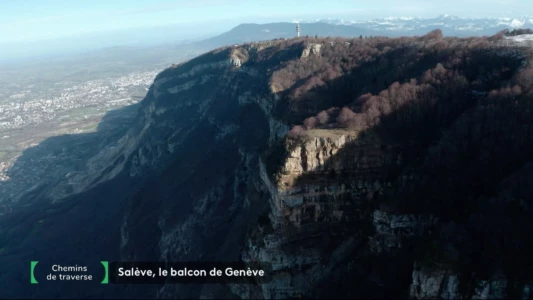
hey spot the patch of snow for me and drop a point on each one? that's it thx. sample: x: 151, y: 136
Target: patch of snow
x: 522, y: 38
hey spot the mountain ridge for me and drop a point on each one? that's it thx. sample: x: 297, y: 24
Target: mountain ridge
x: 342, y: 208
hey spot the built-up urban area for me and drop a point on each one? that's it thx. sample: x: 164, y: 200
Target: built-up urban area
x: 31, y: 112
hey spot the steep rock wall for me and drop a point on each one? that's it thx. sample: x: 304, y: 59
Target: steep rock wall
x: 321, y: 210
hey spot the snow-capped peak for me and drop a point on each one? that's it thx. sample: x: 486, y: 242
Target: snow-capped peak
x: 517, y: 23
x: 398, y: 18
x: 447, y: 17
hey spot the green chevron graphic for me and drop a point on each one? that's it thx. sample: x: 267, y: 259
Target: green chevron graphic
x: 32, y: 276
x: 106, y: 268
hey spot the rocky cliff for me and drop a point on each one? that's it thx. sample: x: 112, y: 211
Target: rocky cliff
x: 207, y: 173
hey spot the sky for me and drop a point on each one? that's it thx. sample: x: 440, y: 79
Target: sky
x: 33, y: 20
x: 23, y: 23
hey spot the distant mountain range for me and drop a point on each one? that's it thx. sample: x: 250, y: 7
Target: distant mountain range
x: 451, y: 25
x: 397, y: 26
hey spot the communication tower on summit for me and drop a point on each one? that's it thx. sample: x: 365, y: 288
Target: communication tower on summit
x: 298, y: 30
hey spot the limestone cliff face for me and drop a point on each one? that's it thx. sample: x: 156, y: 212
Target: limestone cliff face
x: 435, y: 284
x: 304, y: 179
x: 144, y: 147
x: 321, y: 210
x: 392, y: 230
x: 312, y: 49
x: 207, y: 126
